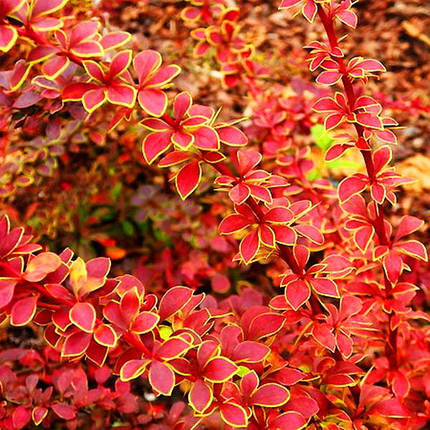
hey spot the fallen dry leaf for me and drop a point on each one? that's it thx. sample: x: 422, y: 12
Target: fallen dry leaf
x: 416, y: 167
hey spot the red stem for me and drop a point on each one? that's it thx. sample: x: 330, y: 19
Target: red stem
x: 134, y: 340
x: 222, y: 168
x: 379, y: 223
x: 286, y: 254
x: 29, y: 33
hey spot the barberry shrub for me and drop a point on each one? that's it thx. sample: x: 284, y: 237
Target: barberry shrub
x: 327, y: 330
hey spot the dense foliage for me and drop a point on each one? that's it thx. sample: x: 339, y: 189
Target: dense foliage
x: 229, y: 276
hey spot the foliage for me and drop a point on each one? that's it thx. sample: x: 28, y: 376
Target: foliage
x: 267, y: 296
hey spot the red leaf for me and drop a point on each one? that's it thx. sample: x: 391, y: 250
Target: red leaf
x: 130, y: 305
x: 349, y: 18
x: 61, y: 318
x: 155, y: 124
x: 284, y: 235
x: 328, y: 77
x: 266, y: 235
x: 323, y: 335
x: 377, y: 191
x: 163, y: 76
x: 173, y: 301
x: 207, y: 350
x: 261, y: 193
x: 324, y: 286
x: 183, y: 139
x: 233, y: 415
x: 105, y: 335
x: 220, y: 283
x: 351, y: 186
x: 382, y: 157
x: 219, y: 369
x: 288, y: 3
x: 76, y: 91
x: 345, y: 344
x: 123, y: 95
x: 97, y: 353
x: 232, y: 136
x: 336, y: 151
x: 413, y: 248
x: 66, y: 412
x: 145, y: 63
x: 408, y: 225
x: 87, y: 49
x: 232, y: 224
x: 83, y: 315
x: 76, y: 344
x: 289, y: 376
x: 349, y: 306
x: 40, y: 265
x: 172, y: 348
x: 278, y: 215
x: 249, y: 246
x: 93, y: 99
x: 45, y: 7
x: 38, y: 414
x: 152, y: 101
x: 188, y: 179
x: 311, y: 233
x: 400, y: 384
x: 114, y: 39
x: 145, y: 322
x: 265, y: 324
x: 239, y: 193
x: 20, y: 417
x: 250, y: 352
x: 7, y: 288
x: 310, y: 10
x: 325, y: 104
x: 290, y: 420
x: 190, y: 13
x: 206, y: 139
x: 270, y: 396
x: 132, y: 369
x: 181, y: 104
x: 54, y: 67
x: 161, y: 378
x: 363, y: 237
x: 369, y: 120
x: 173, y: 158
x: 393, y: 266
x: 23, y: 311
x: 297, y: 293
x: 155, y: 144
x: 390, y: 408
x: 120, y: 63
x: 248, y: 384
x: 8, y: 36
x: 200, y: 396
x: 371, y: 65
x: 333, y: 120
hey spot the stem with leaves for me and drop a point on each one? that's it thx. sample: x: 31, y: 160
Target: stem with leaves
x: 379, y: 224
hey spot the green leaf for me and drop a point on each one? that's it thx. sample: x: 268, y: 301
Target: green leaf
x: 243, y: 370
x: 116, y: 191
x: 165, y: 331
x: 127, y: 227
x: 162, y: 236
x: 144, y: 226
x: 321, y: 136
x: 313, y: 175
x: 341, y: 163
